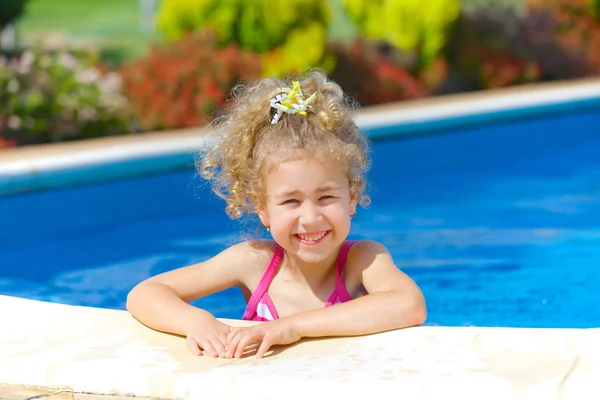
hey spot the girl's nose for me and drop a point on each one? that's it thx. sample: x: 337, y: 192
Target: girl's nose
x: 309, y: 213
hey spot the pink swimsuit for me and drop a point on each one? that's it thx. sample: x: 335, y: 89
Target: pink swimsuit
x: 260, y: 306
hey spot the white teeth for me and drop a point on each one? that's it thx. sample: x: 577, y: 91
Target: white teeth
x: 312, y: 238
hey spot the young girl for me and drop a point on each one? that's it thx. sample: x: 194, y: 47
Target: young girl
x: 290, y: 153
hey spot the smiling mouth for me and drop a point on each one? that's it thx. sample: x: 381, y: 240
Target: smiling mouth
x: 312, y: 238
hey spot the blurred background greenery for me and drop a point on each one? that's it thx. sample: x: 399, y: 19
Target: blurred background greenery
x: 72, y: 69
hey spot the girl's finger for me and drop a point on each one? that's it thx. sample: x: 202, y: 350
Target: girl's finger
x: 264, y: 346
x: 231, y: 335
x: 218, y: 346
x: 243, y: 343
x: 193, y: 346
x: 208, y: 348
x: 233, y: 343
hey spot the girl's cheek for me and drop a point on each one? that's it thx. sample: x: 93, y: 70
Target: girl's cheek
x: 283, y: 217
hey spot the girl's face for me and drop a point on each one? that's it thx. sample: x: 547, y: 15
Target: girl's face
x: 308, y: 207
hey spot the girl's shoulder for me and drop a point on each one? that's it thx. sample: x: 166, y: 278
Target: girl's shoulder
x: 253, y: 254
x: 251, y: 259
x: 364, y: 253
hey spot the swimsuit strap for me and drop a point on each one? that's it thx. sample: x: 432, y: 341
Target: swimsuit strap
x: 265, y: 281
x: 340, y: 292
x: 343, y: 255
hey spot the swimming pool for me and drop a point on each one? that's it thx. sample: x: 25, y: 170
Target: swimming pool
x: 499, y: 224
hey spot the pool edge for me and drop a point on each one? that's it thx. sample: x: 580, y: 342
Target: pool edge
x: 56, y: 345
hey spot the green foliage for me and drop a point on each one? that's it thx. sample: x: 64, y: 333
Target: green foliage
x: 304, y: 48
x: 595, y: 5
x: 411, y: 25
x: 291, y: 35
x: 10, y: 11
x: 55, y: 97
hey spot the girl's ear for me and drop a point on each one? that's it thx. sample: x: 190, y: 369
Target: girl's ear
x: 260, y: 207
x: 264, y: 217
x: 353, y: 202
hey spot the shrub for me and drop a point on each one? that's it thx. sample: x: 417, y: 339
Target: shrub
x: 409, y: 25
x: 291, y: 35
x: 182, y: 84
x: 502, y: 46
x: 10, y: 11
x: 368, y: 72
x: 54, y: 97
x: 577, y: 29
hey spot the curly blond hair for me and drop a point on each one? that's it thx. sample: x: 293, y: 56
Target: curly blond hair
x: 247, y: 146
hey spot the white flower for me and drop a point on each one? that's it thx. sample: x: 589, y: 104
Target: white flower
x: 25, y: 62
x: 113, y: 102
x: 67, y: 61
x: 91, y: 75
x: 111, y: 83
x: 14, y: 122
x: 88, y: 113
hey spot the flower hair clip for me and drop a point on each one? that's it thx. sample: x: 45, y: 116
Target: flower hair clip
x: 290, y: 101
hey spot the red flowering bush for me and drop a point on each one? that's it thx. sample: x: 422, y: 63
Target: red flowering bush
x: 549, y: 40
x: 370, y: 73
x: 7, y: 144
x: 182, y: 84
x: 577, y: 29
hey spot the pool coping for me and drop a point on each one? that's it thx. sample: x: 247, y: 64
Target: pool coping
x: 82, y: 350
x: 93, y: 160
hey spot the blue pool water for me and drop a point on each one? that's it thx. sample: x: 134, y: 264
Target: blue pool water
x: 499, y: 225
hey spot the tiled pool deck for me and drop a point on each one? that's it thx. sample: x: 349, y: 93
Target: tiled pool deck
x: 96, y: 351
x: 53, y: 351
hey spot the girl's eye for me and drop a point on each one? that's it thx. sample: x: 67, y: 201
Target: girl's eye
x: 326, y: 197
x: 290, y: 201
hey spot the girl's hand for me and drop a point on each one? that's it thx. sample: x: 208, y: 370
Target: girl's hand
x: 209, y: 337
x: 280, y: 331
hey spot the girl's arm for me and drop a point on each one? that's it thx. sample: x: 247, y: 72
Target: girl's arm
x: 393, y: 301
x: 161, y: 302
